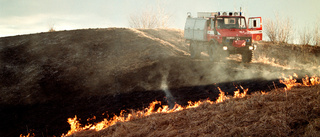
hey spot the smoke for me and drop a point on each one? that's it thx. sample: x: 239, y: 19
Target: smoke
x: 164, y: 86
x: 186, y: 72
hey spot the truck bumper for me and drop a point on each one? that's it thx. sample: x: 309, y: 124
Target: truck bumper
x: 236, y: 50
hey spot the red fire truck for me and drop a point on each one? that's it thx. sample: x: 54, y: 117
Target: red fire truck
x: 221, y: 34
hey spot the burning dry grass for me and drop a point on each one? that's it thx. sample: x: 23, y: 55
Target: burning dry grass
x: 273, y: 114
x: 277, y: 113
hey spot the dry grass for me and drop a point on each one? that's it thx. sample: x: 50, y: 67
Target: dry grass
x: 295, y: 113
x: 291, y: 56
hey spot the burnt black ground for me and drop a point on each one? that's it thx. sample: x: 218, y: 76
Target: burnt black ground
x: 50, y: 118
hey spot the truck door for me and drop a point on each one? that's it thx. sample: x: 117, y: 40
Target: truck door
x: 255, y: 27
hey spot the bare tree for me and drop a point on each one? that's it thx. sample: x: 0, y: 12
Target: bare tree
x: 51, y: 28
x: 271, y: 30
x: 316, y: 35
x: 285, y: 30
x: 305, y: 37
x: 146, y: 19
x: 150, y: 18
x: 279, y: 31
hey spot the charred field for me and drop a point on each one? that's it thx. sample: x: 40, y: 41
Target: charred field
x: 47, y: 78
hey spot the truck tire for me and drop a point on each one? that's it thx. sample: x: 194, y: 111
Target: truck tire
x: 194, y: 52
x: 247, y: 56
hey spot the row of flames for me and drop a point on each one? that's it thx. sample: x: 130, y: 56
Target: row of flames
x: 77, y: 127
x: 292, y: 82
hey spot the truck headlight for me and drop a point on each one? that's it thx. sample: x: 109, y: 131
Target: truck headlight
x: 225, y: 48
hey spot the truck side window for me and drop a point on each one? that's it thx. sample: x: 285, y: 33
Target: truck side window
x: 254, y: 23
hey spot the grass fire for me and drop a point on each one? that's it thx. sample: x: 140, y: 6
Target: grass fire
x: 77, y: 130
x: 142, y: 82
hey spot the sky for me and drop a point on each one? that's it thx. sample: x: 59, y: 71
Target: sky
x: 19, y: 17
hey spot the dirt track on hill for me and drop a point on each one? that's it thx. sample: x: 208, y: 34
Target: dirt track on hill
x: 49, y: 77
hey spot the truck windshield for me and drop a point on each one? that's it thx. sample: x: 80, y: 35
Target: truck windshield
x: 231, y: 23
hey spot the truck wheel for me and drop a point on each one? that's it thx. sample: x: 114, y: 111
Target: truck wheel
x: 194, y: 51
x: 247, y: 56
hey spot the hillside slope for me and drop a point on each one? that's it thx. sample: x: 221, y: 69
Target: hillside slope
x: 37, y: 67
x: 47, y: 78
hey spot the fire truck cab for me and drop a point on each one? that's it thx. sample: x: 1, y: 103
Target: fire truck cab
x: 221, y: 34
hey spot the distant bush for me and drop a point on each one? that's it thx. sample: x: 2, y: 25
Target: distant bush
x: 305, y: 37
x: 316, y: 35
x: 279, y: 31
x: 310, y: 35
x: 51, y: 28
x: 271, y: 30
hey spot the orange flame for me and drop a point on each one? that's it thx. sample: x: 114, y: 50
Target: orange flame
x: 222, y: 96
x: 237, y: 93
x: 290, y: 82
x: 29, y: 135
x: 311, y: 81
x: 76, y: 127
x: 307, y: 81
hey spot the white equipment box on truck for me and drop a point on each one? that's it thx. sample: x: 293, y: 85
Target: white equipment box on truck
x: 196, y: 29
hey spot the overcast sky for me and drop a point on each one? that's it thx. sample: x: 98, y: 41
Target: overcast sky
x: 33, y: 16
